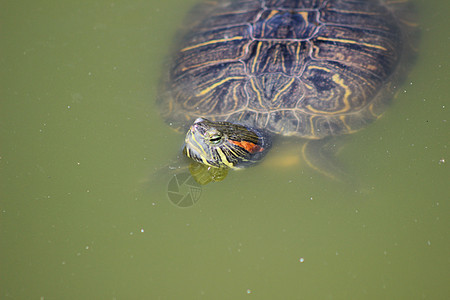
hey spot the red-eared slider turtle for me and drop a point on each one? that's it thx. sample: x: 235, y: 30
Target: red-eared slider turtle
x: 246, y: 70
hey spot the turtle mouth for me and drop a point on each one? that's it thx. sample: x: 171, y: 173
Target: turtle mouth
x: 199, y: 120
x: 199, y: 144
x: 200, y: 125
x: 197, y: 129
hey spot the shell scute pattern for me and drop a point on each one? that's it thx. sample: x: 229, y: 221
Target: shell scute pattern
x: 304, y: 68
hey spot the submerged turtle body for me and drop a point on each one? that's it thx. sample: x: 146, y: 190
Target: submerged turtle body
x: 311, y: 68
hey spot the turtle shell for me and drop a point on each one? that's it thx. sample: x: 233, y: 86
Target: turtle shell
x: 310, y: 68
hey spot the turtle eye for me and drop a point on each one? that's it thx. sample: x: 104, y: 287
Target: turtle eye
x: 214, y: 137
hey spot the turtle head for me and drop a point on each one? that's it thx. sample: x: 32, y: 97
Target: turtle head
x: 225, y: 144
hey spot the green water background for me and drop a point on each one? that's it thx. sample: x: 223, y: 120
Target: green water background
x: 83, y: 216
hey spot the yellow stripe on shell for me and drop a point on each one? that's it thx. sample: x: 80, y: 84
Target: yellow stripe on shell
x: 211, y: 62
x: 338, y: 80
x: 283, y: 89
x: 270, y: 16
x: 304, y: 15
x: 320, y: 68
x: 357, y: 12
x: 213, y: 86
x: 212, y: 42
x: 311, y: 125
x: 343, y: 120
x: 256, y: 90
x: 272, y: 13
x: 258, y: 50
x: 352, y: 42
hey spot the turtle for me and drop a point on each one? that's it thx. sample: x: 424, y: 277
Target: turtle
x: 244, y: 72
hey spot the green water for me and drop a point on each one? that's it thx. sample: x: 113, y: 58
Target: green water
x: 83, y: 216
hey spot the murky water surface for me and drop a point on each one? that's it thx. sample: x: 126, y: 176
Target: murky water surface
x: 83, y: 215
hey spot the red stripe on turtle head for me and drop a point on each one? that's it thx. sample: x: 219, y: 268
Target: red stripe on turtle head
x: 249, y: 146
